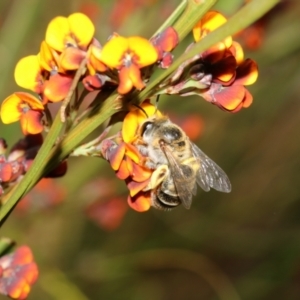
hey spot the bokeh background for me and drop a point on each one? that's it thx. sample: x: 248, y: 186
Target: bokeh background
x: 242, y: 245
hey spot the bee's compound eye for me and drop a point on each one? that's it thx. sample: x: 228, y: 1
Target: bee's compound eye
x: 146, y: 126
x: 172, y: 134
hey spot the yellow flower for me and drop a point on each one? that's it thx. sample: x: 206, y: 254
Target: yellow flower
x: 26, y: 108
x: 77, y: 30
x: 128, y: 56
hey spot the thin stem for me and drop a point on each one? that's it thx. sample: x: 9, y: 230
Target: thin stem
x: 173, y: 17
x: 81, y: 70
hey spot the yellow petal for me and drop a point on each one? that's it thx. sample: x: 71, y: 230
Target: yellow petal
x: 31, y: 100
x: 144, y: 51
x: 48, y: 57
x: 212, y: 20
x: 238, y: 52
x: 125, y: 82
x: 82, y: 27
x: 129, y: 128
x: 10, y: 111
x: 113, y: 51
x: 57, y: 33
x: 27, y: 73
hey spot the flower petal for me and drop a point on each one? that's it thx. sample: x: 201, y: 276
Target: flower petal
x: 28, y: 73
x: 248, y: 99
x: 247, y: 72
x: 230, y: 97
x: 10, y: 111
x: 58, y: 33
x: 57, y: 87
x: 71, y: 58
x: 125, y: 84
x: 6, y: 172
x: 141, y: 202
x: 31, y: 122
x: 167, y: 40
x: 140, y: 174
x: 129, y: 128
x: 225, y: 70
x: 145, y: 52
x: 82, y: 28
x: 113, y: 51
x: 116, y: 156
x: 123, y: 172
x: 93, y: 61
x: 133, y: 153
x: 135, y: 77
x: 48, y: 57
x: 135, y: 187
x: 237, y: 51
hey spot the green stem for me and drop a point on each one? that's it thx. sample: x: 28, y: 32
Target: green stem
x: 174, y: 16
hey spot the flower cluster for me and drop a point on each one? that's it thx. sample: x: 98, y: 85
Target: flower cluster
x: 68, y: 42
x: 18, y: 272
x: 219, y: 74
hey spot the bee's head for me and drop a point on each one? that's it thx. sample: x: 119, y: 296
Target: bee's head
x: 161, y: 129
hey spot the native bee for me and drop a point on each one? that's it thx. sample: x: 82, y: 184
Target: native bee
x: 178, y: 164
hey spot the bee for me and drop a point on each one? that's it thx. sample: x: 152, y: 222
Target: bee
x: 178, y: 164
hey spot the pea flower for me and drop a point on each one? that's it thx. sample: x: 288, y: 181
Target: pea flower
x: 18, y: 272
x: 25, y: 108
x: 219, y: 74
x: 127, y: 161
x: 128, y: 56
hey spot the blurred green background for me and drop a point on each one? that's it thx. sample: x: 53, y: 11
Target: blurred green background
x: 242, y: 245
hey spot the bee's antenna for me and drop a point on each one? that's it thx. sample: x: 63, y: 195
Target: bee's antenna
x: 156, y: 103
x: 141, y: 109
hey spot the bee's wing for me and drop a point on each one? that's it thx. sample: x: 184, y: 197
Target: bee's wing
x: 180, y: 179
x: 210, y: 175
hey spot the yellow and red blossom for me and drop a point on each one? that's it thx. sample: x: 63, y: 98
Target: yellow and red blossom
x: 26, y: 108
x: 18, y: 272
x: 226, y: 65
x: 128, y: 56
x: 127, y: 161
x: 77, y: 30
x: 33, y: 74
x: 230, y: 75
